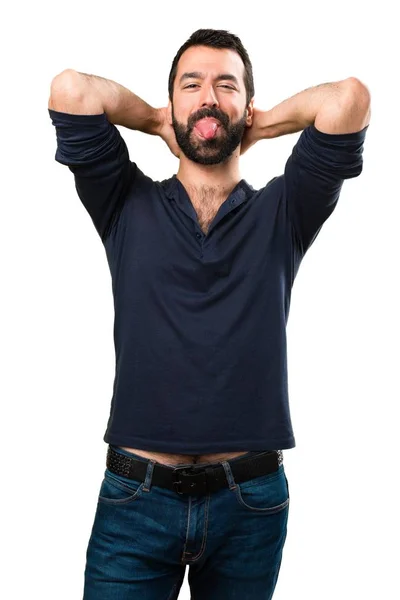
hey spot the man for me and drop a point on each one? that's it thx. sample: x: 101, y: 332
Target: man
x: 202, y: 267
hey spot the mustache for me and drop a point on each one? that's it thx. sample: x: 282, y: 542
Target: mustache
x: 202, y: 113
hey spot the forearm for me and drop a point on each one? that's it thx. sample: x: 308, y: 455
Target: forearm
x: 91, y: 94
x: 318, y: 105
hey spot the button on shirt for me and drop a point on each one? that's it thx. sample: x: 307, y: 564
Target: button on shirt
x: 200, y: 320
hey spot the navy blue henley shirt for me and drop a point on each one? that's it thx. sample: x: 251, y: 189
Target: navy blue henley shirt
x: 200, y: 320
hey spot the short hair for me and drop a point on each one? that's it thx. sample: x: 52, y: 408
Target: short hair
x: 215, y: 38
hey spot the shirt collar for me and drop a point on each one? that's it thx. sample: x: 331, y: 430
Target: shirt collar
x: 242, y: 191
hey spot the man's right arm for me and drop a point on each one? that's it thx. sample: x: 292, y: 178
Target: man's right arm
x: 81, y: 94
x: 84, y: 110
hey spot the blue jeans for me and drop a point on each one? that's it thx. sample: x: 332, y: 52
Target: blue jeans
x: 143, y: 537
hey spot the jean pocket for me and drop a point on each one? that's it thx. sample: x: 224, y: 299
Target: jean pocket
x: 267, y: 493
x: 116, y: 489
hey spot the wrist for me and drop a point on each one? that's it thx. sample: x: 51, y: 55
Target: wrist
x: 156, y: 121
x: 281, y: 120
x: 151, y: 123
x: 266, y: 125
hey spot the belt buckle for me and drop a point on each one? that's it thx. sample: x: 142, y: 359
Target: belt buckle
x: 194, y: 480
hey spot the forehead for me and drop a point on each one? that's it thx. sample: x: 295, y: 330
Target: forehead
x: 211, y: 61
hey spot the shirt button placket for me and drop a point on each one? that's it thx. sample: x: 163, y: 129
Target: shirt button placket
x: 200, y: 237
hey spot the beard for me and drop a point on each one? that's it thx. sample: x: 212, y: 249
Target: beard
x: 215, y: 150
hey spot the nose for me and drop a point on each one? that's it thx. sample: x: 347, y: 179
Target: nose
x: 208, y: 97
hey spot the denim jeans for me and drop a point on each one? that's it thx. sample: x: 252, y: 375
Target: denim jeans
x: 143, y: 537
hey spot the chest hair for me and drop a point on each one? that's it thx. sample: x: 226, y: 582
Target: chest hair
x: 206, y: 202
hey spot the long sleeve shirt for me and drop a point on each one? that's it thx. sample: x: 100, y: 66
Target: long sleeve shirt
x: 200, y: 320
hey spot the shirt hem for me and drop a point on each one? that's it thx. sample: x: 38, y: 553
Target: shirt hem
x: 207, y: 448
x: 77, y: 119
x: 342, y: 137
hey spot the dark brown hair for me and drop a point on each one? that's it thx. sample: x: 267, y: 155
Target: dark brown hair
x: 215, y: 38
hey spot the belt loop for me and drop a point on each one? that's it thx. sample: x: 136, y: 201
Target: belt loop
x: 149, y: 475
x: 229, y: 474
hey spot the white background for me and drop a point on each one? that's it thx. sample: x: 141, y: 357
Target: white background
x: 57, y: 308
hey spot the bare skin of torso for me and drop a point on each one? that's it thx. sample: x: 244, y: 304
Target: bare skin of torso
x: 178, y: 459
x: 206, y: 211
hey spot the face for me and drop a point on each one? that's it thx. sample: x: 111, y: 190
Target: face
x: 208, y: 112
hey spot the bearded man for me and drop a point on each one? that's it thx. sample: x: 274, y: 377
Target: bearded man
x: 202, y: 267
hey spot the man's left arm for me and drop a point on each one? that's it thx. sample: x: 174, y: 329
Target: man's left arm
x: 334, y: 118
x: 338, y: 107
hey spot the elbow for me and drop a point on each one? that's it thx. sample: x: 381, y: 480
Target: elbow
x: 358, y: 99
x: 67, y: 76
x: 68, y: 81
x: 65, y: 88
x: 357, y: 91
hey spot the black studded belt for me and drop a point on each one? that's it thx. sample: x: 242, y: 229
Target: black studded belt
x: 195, y: 479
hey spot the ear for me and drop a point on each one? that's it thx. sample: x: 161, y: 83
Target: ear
x: 250, y: 113
x: 169, y: 112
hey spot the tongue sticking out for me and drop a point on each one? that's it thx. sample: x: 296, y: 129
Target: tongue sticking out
x: 207, y: 128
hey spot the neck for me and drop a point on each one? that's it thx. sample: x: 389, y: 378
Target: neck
x: 222, y: 177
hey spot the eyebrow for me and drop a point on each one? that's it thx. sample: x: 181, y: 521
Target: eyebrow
x: 198, y: 75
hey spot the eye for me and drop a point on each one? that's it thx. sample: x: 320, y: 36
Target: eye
x: 223, y: 85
